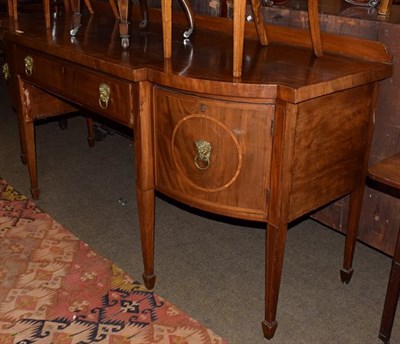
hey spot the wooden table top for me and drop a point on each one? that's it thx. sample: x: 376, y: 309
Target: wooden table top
x: 293, y: 73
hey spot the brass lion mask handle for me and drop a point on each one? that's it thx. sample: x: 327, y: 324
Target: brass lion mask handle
x: 6, y: 71
x: 28, y: 60
x: 203, y: 156
x: 104, y: 95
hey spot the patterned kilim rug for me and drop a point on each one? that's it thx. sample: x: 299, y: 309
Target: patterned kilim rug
x: 55, y: 289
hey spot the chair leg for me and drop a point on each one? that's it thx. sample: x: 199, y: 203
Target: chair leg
x: 67, y: 6
x: 166, y: 9
x: 313, y: 21
x: 76, y: 6
x: 188, y: 9
x: 13, y: 9
x: 144, y: 10
x: 46, y: 5
x: 239, y: 11
x: 123, y: 7
x: 10, y: 7
x: 89, y: 6
x: 114, y: 8
x: 392, y: 296
x: 259, y: 22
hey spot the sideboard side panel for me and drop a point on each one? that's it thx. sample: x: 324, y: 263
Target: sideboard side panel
x: 331, y: 137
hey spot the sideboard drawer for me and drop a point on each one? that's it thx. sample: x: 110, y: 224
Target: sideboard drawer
x: 98, y: 92
x: 213, y: 154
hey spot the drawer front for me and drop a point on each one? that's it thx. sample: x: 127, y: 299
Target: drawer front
x: 213, y: 154
x: 78, y: 84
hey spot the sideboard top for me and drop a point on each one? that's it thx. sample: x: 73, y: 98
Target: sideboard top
x: 203, y: 64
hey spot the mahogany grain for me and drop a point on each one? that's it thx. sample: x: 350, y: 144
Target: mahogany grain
x: 295, y: 129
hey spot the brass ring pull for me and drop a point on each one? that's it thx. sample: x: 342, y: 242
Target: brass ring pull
x: 28, y: 65
x: 104, y: 95
x: 203, y: 156
x: 6, y: 71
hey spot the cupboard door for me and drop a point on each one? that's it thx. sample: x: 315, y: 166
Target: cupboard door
x: 213, y: 154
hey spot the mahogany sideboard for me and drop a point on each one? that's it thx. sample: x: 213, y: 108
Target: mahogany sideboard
x: 380, y: 215
x: 288, y: 137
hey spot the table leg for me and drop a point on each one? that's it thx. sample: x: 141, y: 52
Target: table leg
x: 145, y: 180
x: 356, y: 198
x: 146, y: 220
x: 90, y: 129
x: 355, y: 204
x: 392, y: 296
x: 22, y: 138
x: 27, y: 138
x: 31, y: 157
x: 275, y: 251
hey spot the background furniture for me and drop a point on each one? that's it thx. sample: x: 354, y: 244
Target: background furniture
x: 387, y: 173
x: 239, y: 11
x: 74, y: 5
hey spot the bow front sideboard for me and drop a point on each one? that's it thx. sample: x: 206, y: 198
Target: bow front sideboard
x: 288, y: 137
